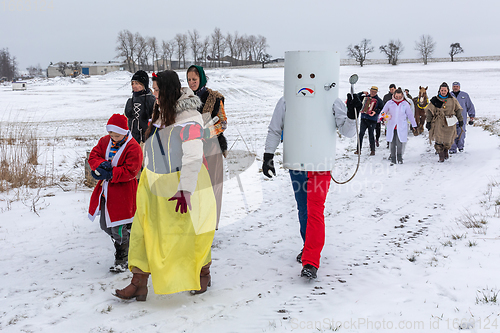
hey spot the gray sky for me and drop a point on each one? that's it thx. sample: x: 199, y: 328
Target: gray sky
x: 87, y: 30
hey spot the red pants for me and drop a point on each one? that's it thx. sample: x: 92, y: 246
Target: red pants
x: 318, y: 184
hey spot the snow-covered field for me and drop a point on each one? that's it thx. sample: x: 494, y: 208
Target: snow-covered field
x: 398, y: 255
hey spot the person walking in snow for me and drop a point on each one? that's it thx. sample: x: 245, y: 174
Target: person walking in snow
x: 174, y: 224
x: 214, y: 146
x: 467, y: 109
x: 115, y: 161
x: 372, y: 105
x: 310, y: 187
x: 442, y: 113
x: 139, y: 108
x: 399, y: 112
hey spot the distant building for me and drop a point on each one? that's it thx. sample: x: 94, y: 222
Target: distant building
x: 85, y: 68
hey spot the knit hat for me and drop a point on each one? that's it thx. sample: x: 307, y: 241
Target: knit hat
x: 142, y: 77
x: 374, y: 88
x: 118, y: 124
x: 201, y: 72
x: 456, y: 83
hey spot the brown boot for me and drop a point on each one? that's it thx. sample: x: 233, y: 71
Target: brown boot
x: 372, y: 153
x: 138, y: 288
x: 446, y: 155
x: 441, y: 156
x: 205, y: 280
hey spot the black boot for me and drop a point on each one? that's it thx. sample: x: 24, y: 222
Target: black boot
x: 121, y: 258
x: 400, y: 159
x: 309, y: 271
x: 299, y: 256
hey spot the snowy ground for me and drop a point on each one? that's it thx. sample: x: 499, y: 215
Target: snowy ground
x: 398, y: 256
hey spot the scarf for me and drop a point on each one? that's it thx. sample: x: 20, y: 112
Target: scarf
x: 443, y: 97
x: 398, y: 101
x: 139, y: 93
x: 115, y: 146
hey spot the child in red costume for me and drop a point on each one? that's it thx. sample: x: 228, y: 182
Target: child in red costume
x: 115, y: 161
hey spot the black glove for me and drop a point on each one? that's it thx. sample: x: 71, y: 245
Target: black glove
x: 268, y: 165
x: 102, y: 174
x: 106, y: 165
x: 461, y: 123
x: 471, y: 122
x: 353, y: 105
x: 428, y: 125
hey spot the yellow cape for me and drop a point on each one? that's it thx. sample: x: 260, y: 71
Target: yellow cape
x: 172, y: 246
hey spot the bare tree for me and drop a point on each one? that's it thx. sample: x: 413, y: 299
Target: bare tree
x: 392, y: 51
x: 425, y: 47
x: 141, y: 51
x: 181, y: 48
x: 260, y: 48
x: 76, y: 68
x: 35, y: 71
x: 61, y: 67
x: 231, y: 42
x: 360, y: 51
x: 455, y: 49
x: 205, y: 48
x: 219, y: 44
x: 8, y: 64
x: 126, y: 48
x: 195, y: 44
x: 252, y: 47
x: 154, y: 50
x: 167, y: 49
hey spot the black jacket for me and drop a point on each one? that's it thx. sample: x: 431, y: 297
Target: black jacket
x: 139, y: 110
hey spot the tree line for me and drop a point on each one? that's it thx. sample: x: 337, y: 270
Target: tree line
x: 8, y: 65
x: 425, y: 47
x: 143, y: 52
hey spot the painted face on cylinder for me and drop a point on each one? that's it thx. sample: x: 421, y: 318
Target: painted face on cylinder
x: 443, y: 91
x: 193, y: 80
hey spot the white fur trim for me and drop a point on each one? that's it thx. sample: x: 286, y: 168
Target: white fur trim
x: 116, y: 129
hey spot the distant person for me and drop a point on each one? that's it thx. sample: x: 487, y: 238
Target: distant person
x: 115, y: 161
x: 467, y: 109
x: 139, y: 108
x: 442, y: 113
x: 372, y: 105
x: 399, y: 112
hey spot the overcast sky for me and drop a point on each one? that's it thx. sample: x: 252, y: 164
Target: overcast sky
x: 87, y: 30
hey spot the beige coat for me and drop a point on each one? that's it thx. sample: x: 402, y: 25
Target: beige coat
x: 440, y: 131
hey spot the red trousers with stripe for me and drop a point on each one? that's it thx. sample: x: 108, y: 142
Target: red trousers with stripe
x: 318, y: 183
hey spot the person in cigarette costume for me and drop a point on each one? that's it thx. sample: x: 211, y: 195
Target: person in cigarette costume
x: 310, y: 186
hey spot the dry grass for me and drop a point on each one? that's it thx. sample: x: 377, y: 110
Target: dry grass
x: 19, y: 157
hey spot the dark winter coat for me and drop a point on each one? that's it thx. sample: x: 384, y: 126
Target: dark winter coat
x: 139, y: 110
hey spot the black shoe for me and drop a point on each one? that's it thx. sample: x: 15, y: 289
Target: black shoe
x: 309, y: 271
x: 121, y: 258
x: 299, y: 257
x: 460, y: 149
x: 400, y: 159
x: 120, y: 266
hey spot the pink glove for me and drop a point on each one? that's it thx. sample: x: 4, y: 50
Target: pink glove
x: 183, y: 201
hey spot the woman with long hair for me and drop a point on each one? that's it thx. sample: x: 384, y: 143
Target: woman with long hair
x: 174, y: 224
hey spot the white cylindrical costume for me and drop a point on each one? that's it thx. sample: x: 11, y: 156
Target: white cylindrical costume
x: 311, y: 87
